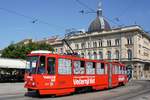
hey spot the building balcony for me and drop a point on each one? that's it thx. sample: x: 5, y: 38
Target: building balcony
x: 129, y: 45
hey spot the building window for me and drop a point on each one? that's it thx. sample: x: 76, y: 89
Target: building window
x: 108, y: 42
x: 82, y: 45
x: 129, y: 54
x: 89, y: 45
x: 56, y: 50
x: 117, y: 55
x: 100, y: 43
x: 100, y: 55
x: 95, y: 55
x: 82, y: 55
x: 117, y: 42
x: 109, y: 55
x: 94, y: 44
x: 76, y: 46
x: 129, y: 40
x: 89, y: 55
x: 61, y: 50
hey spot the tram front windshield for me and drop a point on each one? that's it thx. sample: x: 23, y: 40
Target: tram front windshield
x: 32, y: 63
x: 37, y: 65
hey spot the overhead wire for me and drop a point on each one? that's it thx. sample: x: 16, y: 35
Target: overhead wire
x: 92, y: 11
x: 33, y: 19
x: 84, y: 5
x: 110, y: 20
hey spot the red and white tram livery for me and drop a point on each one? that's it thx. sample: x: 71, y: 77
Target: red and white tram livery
x: 57, y: 74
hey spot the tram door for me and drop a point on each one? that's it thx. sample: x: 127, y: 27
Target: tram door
x: 109, y: 75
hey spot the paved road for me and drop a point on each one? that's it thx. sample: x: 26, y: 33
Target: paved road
x: 134, y: 90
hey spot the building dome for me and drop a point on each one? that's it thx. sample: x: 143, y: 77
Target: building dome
x: 99, y: 24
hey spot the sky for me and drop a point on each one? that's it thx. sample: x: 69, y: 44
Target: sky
x: 38, y: 19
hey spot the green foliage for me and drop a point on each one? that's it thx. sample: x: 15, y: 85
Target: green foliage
x: 20, y: 51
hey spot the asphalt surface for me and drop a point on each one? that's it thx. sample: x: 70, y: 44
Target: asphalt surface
x: 134, y: 90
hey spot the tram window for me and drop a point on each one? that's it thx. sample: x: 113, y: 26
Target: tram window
x: 100, y: 68
x: 51, y: 65
x: 64, y: 66
x: 94, y: 64
x: 111, y: 68
x: 121, y: 70
x: 115, y: 67
x: 125, y: 71
x: 90, y: 68
x: 118, y: 69
x: 82, y: 64
x: 106, y: 68
x: 79, y: 67
x: 41, y: 68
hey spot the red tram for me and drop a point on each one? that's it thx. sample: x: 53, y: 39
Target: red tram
x: 56, y: 74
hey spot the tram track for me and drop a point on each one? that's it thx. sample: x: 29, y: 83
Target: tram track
x: 143, y: 89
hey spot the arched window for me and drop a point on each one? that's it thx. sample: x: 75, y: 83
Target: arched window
x: 109, y: 43
x: 76, y: 46
x: 95, y: 55
x: 56, y: 50
x: 117, y: 55
x: 129, y: 40
x: 82, y: 45
x: 117, y: 42
x: 89, y: 55
x: 100, y: 43
x: 129, y: 54
x: 89, y: 45
x: 82, y: 55
x: 95, y: 44
x: 100, y: 55
x: 109, y: 55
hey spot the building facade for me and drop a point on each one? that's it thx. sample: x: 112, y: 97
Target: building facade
x: 130, y: 45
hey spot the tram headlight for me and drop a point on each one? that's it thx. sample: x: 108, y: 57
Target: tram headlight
x: 31, y: 79
x: 33, y: 83
x: 51, y: 83
x: 25, y: 82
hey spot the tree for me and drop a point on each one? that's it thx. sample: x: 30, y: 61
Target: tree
x: 20, y: 51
